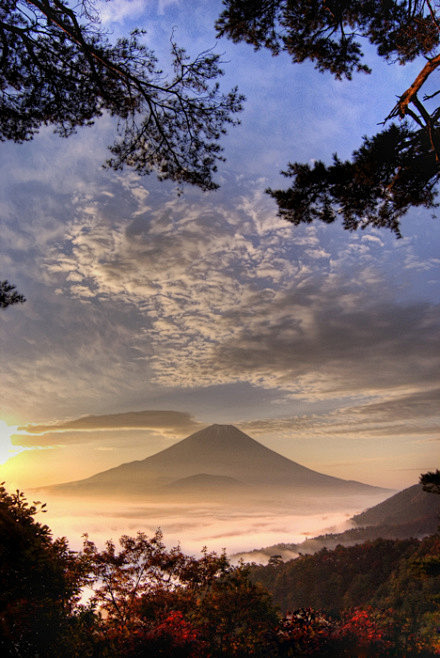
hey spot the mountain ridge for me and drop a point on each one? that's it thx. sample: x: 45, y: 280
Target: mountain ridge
x: 410, y: 504
x: 217, y: 451
x: 411, y: 512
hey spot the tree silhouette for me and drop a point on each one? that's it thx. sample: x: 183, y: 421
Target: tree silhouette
x: 431, y: 481
x: 398, y: 167
x: 149, y: 600
x: 9, y: 295
x: 40, y: 583
x: 59, y: 68
x: 161, y: 602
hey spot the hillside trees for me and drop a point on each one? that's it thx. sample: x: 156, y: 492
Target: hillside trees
x: 357, y: 633
x: 431, y: 481
x: 334, y: 579
x: 392, y: 586
x: 158, y: 601
x: 397, y: 168
x: 148, y: 600
x: 40, y: 583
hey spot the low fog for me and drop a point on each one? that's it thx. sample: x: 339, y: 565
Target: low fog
x: 235, y: 528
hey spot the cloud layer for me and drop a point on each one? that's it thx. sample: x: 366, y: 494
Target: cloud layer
x: 229, y: 293
x: 167, y: 421
x: 210, y: 305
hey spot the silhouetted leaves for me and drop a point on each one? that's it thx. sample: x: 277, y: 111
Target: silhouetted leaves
x: 158, y: 601
x: 329, y: 33
x: 9, y: 295
x: 57, y: 67
x: 431, y: 481
x: 149, y: 600
x: 40, y: 584
x: 394, y: 170
x: 390, y: 173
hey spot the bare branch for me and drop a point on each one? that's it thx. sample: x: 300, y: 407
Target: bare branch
x: 408, y: 96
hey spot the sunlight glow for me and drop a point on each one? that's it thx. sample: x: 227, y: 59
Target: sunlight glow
x: 7, y: 449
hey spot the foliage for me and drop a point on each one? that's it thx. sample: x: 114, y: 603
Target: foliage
x: 40, y: 583
x: 360, y: 632
x: 383, y: 595
x: 156, y: 599
x: 329, y: 32
x: 334, y: 580
x: 305, y: 632
x: 9, y: 295
x: 59, y: 68
x: 431, y: 481
x: 174, y: 636
x: 413, y: 588
x: 393, y: 170
x: 148, y: 600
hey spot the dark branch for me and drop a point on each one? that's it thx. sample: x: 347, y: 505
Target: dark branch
x: 9, y: 295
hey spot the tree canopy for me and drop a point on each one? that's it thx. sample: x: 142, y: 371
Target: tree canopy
x: 161, y: 602
x: 9, y: 295
x: 431, y: 481
x: 58, y: 67
x: 145, y: 599
x: 40, y: 584
x: 399, y: 166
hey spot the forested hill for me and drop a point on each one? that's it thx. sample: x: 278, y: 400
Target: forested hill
x: 384, y: 573
x: 151, y: 601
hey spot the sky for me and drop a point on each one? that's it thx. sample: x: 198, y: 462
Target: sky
x: 150, y: 315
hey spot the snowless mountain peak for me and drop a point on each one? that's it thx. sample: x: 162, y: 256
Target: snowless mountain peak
x: 216, y: 455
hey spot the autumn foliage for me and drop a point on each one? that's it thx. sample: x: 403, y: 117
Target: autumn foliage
x: 148, y: 600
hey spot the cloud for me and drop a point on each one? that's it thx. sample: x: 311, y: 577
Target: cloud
x: 413, y: 417
x: 168, y: 422
x: 328, y: 349
x: 418, y: 405
x: 136, y: 293
x: 118, y: 11
x: 284, y: 426
x: 218, y: 290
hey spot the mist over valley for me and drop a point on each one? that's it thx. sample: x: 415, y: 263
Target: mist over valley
x: 218, y: 487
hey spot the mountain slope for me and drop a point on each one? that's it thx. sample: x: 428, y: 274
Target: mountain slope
x: 409, y: 513
x: 219, y: 451
x: 411, y: 505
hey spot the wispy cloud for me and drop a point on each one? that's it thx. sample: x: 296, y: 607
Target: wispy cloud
x: 413, y: 415
x: 168, y: 422
x: 216, y: 290
x: 239, y: 301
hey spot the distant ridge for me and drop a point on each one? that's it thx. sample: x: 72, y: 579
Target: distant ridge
x: 411, y: 512
x: 203, y: 483
x: 412, y: 505
x: 219, y: 457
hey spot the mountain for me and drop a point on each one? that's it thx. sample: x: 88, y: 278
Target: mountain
x: 409, y: 513
x: 217, y: 459
x: 204, y: 484
x: 410, y: 506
